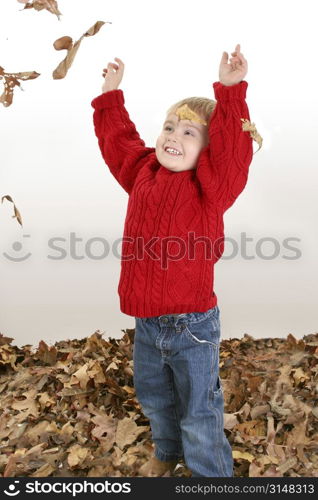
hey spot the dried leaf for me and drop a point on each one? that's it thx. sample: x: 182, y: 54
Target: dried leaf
x: 250, y: 127
x: 47, y: 354
x: 185, y: 113
x: 79, y: 456
x: 299, y: 376
x: 66, y: 42
x: 10, y: 81
x: 16, y: 211
x: 128, y: 431
x: 49, y: 5
x: 230, y: 421
x: 245, y: 456
x: 291, y: 462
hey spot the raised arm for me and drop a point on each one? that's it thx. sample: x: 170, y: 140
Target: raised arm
x: 222, y: 170
x: 120, y: 144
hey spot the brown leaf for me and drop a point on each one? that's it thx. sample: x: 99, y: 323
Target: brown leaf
x: 248, y: 126
x: 245, y: 456
x: 284, y: 467
x: 16, y: 211
x: 66, y: 42
x: 128, y: 431
x: 10, y: 81
x: 7, y: 356
x: 185, y: 113
x: 49, y: 5
x: 78, y: 456
x: 46, y: 353
x: 104, y: 430
x: 5, y: 340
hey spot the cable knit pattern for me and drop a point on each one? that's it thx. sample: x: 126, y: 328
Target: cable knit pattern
x: 174, y: 232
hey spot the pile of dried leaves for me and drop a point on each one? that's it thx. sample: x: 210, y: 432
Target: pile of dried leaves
x: 70, y: 409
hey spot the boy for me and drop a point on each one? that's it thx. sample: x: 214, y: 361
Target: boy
x: 173, y: 235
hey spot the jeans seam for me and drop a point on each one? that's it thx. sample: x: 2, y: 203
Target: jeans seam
x: 218, y: 418
x: 172, y: 389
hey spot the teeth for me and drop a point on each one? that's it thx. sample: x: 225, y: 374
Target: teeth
x: 173, y: 151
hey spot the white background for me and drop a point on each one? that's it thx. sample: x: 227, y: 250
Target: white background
x: 52, y: 167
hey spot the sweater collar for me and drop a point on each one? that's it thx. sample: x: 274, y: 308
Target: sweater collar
x: 162, y: 170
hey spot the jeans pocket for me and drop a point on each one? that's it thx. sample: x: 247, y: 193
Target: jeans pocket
x: 204, y: 332
x: 216, y: 393
x: 218, y: 389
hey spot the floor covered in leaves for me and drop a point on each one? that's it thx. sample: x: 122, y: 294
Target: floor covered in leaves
x: 70, y: 409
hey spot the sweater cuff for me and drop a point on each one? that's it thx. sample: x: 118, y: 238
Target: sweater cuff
x: 109, y: 99
x: 228, y: 93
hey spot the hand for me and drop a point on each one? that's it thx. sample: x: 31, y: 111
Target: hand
x: 113, y: 75
x: 235, y: 71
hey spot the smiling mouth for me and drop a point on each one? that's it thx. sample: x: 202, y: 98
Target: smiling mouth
x: 172, y: 152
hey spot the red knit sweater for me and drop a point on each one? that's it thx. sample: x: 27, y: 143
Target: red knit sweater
x: 173, y: 230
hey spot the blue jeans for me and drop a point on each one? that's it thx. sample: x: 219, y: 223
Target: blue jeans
x: 177, y: 382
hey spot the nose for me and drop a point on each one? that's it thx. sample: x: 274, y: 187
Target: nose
x: 172, y: 136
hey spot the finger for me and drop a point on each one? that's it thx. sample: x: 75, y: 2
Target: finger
x: 224, y: 58
x: 110, y: 67
x: 235, y: 62
x: 119, y: 60
x: 242, y: 59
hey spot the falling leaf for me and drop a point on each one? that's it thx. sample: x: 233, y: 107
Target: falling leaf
x: 10, y: 81
x: 250, y: 127
x: 66, y: 43
x: 16, y: 211
x: 50, y: 5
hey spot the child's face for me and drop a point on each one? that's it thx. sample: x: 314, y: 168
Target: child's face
x: 185, y: 136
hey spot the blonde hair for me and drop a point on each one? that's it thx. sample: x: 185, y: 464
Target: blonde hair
x: 203, y: 106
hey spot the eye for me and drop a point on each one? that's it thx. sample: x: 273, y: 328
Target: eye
x: 167, y: 127
x: 191, y: 133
